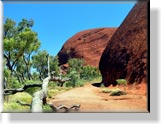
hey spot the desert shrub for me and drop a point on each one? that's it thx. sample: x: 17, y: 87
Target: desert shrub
x: 47, y: 108
x: 106, y: 90
x: 52, y: 92
x: 75, y: 67
x: 35, y: 76
x: 22, y: 97
x: 74, y: 79
x: 89, y: 73
x: 52, y: 84
x: 78, y: 83
x: 114, y: 91
x: 117, y: 92
x: 121, y: 82
x: 75, y: 64
x: 79, y: 74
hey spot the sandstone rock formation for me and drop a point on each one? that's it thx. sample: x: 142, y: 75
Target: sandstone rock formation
x: 88, y: 45
x: 125, y: 56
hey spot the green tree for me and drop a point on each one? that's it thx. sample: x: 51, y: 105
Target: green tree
x: 54, y: 65
x: 75, y: 64
x: 35, y: 76
x: 39, y: 62
x: 9, y: 80
x: 19, y: 41
x: 74, y: 70
x: 89, y: 73
x: 21, y: 72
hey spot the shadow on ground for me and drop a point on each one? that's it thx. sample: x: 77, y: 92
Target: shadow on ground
x: 96, y: 84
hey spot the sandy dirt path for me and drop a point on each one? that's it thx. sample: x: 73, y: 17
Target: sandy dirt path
x: 92, y: 99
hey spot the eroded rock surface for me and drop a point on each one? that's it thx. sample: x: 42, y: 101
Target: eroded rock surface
x: 125, y: 56
x: 88, y: 45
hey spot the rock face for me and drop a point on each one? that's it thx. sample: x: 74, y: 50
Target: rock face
x: 125, y: 56
x: 88, y: 45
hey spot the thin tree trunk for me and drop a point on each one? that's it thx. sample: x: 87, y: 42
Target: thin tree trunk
x: 22, y: 76
x: 18, y: 77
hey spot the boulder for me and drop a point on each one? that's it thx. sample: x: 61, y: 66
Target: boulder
x: 87, y: 45
x: 125, y: 56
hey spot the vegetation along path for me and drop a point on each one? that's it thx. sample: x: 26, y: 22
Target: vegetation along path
x: 92, y: 99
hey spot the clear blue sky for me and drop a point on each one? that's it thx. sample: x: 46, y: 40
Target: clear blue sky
x: 55, y: 23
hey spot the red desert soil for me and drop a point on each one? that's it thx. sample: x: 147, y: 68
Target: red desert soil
x: 92, y: 99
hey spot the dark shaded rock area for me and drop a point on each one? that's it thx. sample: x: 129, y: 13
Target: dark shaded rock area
x: 125, y: 56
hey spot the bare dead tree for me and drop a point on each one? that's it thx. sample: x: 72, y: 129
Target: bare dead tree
x: 14, y: 91
x: 64, y: 108
x: 39, y: 97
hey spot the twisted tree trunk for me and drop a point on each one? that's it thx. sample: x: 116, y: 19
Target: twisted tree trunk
x: 14, y: 91
x: 39, y: 97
